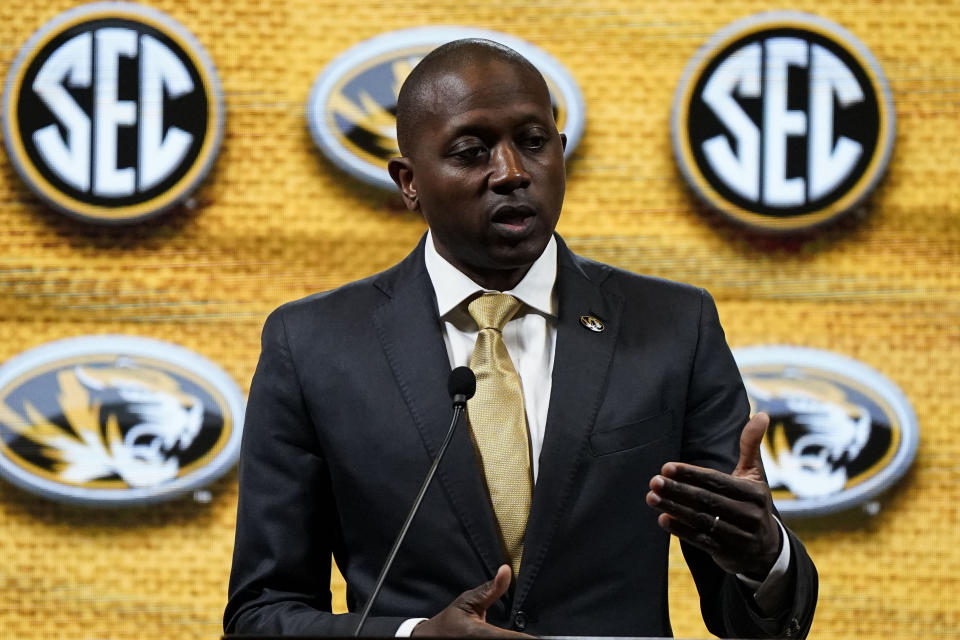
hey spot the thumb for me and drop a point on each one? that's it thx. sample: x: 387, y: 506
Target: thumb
x: 750, y: 464
x: 479, y: 599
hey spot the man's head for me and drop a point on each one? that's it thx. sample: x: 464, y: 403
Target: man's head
x: 482, y: 158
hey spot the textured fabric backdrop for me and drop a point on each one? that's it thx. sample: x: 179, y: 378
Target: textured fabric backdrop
x: 276, y: 221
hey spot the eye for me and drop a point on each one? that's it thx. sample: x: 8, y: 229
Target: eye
x: 468, y: 151
x: 535, y: 141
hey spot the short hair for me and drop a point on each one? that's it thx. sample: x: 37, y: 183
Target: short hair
x: 451, y: 56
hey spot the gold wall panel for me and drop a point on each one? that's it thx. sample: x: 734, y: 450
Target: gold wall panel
x: 276, y: 221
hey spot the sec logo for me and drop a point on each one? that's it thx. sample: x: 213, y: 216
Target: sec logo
x: 783, y: 121
x: 116, y: 420
x: 112, y: 112
x: 840, y: 433
x: 351, y: 111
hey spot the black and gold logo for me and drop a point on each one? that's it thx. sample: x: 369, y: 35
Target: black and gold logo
x: 592, y: 323
x: 116, y: 420
x: 840, y: 433
x: 783, y: 121
x: 112, y: 112
x: 352, y: 106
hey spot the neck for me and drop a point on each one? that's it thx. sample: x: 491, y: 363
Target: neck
x: 500, y: 280
x: 489, y: 278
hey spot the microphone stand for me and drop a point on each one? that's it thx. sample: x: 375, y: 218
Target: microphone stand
x: 459, y: 402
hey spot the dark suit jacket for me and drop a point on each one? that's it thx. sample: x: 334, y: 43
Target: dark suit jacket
x: 348, y: 407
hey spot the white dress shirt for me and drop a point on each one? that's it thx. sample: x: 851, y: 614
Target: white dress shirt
x: 530, y: 336
x: 531, y: 340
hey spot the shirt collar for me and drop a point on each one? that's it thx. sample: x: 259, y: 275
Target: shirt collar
x: 452, y: 287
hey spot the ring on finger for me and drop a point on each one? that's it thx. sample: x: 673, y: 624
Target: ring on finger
x: 713, y: 525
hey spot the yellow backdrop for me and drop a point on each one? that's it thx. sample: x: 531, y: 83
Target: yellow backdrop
x: 276, y: 221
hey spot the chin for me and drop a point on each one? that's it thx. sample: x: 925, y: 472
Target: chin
x: 520, y: 256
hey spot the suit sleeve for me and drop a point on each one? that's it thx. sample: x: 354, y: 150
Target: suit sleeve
x: 717, y: 410
x: 286, y: 515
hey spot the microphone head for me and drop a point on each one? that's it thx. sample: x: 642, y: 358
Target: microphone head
x: 462, y: 384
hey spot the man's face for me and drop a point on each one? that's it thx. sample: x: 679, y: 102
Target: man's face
x: 486, y: 170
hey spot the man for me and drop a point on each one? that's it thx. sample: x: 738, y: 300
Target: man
x: 628, y: 396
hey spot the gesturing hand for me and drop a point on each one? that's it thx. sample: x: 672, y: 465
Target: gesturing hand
x: 467, y: 615
x: 728, y: 516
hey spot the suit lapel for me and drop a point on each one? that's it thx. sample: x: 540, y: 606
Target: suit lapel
x: 410, y: 332
x: 581, y: 364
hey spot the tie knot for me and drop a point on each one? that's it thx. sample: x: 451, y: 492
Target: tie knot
x: 493, y: 310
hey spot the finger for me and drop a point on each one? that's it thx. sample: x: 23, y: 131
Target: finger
x: 665, y: 493
x: 500, y: 582
x: 700, y: 539
x: 750, y: 463
x: 704, y: 521
x: 713, y: 481
x: 479, y: 599
x: 734, y: 554
x: 712, y: 538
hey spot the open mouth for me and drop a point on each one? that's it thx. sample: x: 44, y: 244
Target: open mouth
x: 513, y: 219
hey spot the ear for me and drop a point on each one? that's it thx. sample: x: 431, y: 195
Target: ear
x: 401, y: 170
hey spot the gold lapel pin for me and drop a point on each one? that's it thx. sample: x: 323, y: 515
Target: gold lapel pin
x: 592, y: 323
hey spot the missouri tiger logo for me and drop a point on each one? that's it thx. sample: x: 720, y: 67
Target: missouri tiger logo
x: 116, y: 420
x: 840, y: 433
x: 112, y: 112
x: 352, y: 107
x: 783, y: 121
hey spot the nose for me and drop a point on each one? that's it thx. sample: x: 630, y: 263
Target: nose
x: 508, y: 172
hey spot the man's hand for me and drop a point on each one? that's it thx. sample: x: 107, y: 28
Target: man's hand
x: 467, y: 615
x: 728, y: 516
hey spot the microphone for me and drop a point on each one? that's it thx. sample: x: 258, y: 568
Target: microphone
x: 461, y: 385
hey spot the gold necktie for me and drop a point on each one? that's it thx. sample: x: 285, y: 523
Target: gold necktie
x: 498, y: 422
